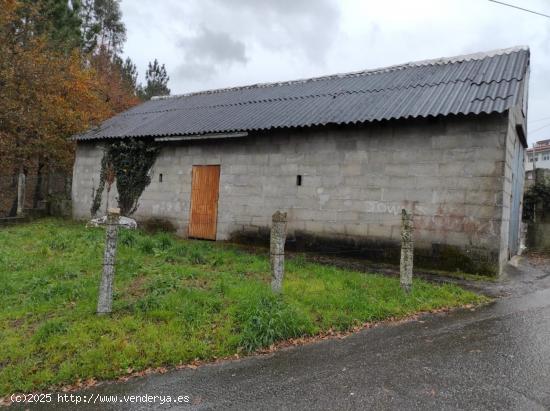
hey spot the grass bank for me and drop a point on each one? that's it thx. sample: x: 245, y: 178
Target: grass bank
x: 175, y: 301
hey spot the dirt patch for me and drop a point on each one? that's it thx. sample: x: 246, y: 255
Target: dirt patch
x: 136, y: 287
x: 539, y: 259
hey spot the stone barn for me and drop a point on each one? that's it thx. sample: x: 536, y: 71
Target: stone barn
x: 342, y: 154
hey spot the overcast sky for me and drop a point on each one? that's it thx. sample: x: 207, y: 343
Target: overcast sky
x: 209, y: 44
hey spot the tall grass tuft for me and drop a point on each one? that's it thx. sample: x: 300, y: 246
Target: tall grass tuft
x: 269, y: 319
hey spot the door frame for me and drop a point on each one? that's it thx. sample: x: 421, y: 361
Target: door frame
x: 218, y: 166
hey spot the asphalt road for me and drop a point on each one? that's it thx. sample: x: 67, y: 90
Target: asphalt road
x: 496, y: 357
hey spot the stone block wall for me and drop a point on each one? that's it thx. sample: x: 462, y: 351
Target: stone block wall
x: 449, y: 172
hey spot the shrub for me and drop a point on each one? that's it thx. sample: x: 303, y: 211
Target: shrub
x: 538, y: 193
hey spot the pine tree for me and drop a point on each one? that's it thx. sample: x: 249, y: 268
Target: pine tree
x: 58, y: 21
x: 157, y: 81
x: 128, y: 74
x: 61, y: 23
x: 102, y: 26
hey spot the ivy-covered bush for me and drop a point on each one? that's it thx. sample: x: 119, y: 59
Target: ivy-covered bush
x: 130, y: 159
x: 537, y: 199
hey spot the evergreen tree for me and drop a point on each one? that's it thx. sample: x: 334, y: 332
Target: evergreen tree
x: 58, y: 21
x: 129, y: 74
x: 89, y: 28
x: 62, y: 23
x: 102, y: 26
x: 157, y: 81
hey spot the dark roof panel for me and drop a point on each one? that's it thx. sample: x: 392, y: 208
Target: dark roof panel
x: 471, y: 84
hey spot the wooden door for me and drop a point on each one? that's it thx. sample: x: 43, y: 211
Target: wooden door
x: 203, y: 214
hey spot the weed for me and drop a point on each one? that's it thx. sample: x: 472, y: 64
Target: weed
x: 164, y: 241
x: 299, y: 261
x: 179, y: 250
x: 147, y: 245
x: 269, y: 319
x: 49, y: 329
x: 164, y: 284
x: 149, y: 302
x: 196, y: 257
x: 59, y: 244
x: 127, y: 238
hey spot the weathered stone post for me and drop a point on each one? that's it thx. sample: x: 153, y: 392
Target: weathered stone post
x: 105, y: 299
x: 277, y: 250
x: 21, y: 184
x: 406, y: 268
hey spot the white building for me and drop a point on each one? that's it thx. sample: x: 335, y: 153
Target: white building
x: 537, y: 156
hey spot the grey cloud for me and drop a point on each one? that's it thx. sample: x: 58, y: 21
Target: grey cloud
x: 214, y: 46
x: 285, y: 7
x: 309, y: 26
x: 195, y: 71
x: 207, y: 51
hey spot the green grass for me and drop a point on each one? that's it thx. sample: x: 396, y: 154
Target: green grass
x: 175, y: 301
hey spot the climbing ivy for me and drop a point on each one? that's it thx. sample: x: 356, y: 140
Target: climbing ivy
x: 96, y: 203
x: 131, y: 160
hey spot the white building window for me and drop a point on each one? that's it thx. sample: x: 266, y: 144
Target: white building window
x: 546, y: 156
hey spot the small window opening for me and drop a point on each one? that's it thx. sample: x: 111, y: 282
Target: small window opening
x: 298, y: 180
x: 160, y: 178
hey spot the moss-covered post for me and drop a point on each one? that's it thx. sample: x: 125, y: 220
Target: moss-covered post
x: 406, y: 268
x: 277, y: 250
x: 105, y: 299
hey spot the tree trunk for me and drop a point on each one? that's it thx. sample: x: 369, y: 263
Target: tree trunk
x: 13, y: 209
x: 37, y: 196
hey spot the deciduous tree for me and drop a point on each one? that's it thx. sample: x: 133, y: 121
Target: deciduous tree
x: 46, y: 94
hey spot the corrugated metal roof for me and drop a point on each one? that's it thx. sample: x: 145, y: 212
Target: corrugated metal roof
x: 470, y: 84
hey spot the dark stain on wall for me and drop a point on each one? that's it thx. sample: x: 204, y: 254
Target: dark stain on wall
x: 472, y: 260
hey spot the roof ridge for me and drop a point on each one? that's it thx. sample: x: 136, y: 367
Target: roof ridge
x: 419, y: 63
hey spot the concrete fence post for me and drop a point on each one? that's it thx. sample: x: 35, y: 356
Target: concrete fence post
x: 105, y: 299
x: 277, y: 250
x: 21, y: 185
x: 406, y: 266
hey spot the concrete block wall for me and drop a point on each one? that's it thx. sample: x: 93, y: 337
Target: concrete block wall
x: 514, y: 179
x: 450, y: 172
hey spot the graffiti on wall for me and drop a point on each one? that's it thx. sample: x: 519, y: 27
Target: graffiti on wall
x: 382, y: 207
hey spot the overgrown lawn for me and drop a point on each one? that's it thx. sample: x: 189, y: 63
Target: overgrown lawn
x: 175, y: 301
